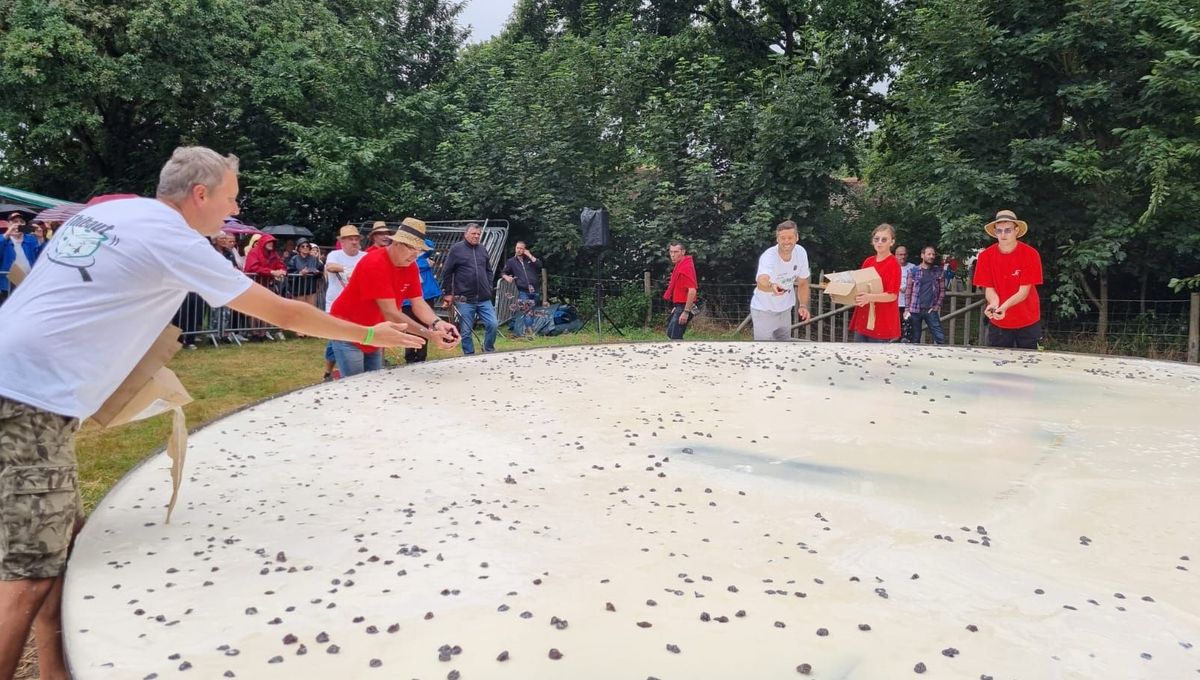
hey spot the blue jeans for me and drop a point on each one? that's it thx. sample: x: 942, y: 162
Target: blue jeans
x: 934, y: 320
x: 486, y: 311
x: 329, y: 352
x: 351, y: 360
x: 675, y: 330
x: 859, y: 337
x: 521, y: 319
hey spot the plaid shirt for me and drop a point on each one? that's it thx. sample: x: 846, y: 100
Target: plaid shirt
x: 913, y: 289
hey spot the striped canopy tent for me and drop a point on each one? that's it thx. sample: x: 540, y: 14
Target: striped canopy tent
x: 29, y: 198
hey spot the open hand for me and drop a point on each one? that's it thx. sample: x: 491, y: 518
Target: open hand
x: 390, y: 334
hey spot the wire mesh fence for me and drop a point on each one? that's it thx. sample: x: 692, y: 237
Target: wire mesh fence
x: 1162, y: 329
x: 1151, y: 328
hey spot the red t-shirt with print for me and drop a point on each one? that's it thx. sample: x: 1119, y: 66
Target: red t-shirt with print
x: 1007, y: 272
x: 375, y: 278
x: 887, y: 314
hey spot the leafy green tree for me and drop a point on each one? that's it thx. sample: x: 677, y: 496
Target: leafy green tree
x: 327, y: 102
x: 1040, y: 107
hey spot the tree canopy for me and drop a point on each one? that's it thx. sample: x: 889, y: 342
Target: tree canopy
x: 707, y: 120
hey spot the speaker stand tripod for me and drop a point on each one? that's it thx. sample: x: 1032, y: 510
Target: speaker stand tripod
x: 600, y: 313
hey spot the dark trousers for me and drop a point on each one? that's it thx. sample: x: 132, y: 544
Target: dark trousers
x: 931, y: 319
x: 190, y: 317
x: 416, y: 356
x: 675, y: 330
x: 1026, y: 337
x: 905, y: 328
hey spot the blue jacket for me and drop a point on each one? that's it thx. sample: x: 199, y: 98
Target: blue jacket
x: 429, y: 282
x: 8, y: 256
x: 466, y: 273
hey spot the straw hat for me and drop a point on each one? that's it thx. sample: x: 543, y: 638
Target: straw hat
x: 1006, y: 216
x: 412, y: 234
x: 347, y: 231
x: 380, y: 227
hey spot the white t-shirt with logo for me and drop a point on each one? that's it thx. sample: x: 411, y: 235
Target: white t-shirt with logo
x: 335, y: 284
x: 105, y: 286
x: 784, y: 275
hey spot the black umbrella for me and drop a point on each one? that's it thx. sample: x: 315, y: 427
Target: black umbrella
x: 7, y: 209
x: 288, y: 231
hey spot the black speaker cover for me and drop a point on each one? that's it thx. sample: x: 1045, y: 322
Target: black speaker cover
x: 593, y: 224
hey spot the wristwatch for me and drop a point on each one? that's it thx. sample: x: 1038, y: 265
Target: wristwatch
x: 433, y: 324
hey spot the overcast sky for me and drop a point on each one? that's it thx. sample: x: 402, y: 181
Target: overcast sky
x: 486, y: 17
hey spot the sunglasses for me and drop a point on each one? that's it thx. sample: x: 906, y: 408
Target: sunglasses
x: 881, y: 239
x: 1004, y: 230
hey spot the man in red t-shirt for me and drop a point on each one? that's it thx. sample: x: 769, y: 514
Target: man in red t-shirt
x: 1008, y: 271
x: 681, y: 291
x: 382, y: 281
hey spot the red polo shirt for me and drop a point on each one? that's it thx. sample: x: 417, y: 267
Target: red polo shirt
x: 887, y: 314
x: 1007, y: 272
x: 375, y: 278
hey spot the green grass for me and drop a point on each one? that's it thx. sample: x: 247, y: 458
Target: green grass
x: 222, y: 380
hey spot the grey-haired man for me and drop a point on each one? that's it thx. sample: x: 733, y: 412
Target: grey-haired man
x: 113, y: 277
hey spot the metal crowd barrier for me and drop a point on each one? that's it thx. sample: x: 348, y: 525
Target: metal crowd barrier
x: 202, y: 323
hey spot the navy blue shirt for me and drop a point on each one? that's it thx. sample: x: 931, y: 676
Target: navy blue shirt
x: 466, y: 273
x: 526, y: 275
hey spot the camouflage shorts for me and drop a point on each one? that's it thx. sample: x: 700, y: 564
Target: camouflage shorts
x: 39, y: 494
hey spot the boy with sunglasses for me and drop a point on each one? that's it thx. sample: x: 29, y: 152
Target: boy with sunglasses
x: 1009, y: 272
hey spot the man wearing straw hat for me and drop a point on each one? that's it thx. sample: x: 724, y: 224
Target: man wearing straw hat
x: 379, y: 236
x: 382, y: 281
x: 1009, y: 271
x: 339, y: 266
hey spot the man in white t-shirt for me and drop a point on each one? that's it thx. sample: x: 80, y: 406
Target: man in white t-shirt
x: 339, y: 265
x: 105, y: 288
x: 781, y: 283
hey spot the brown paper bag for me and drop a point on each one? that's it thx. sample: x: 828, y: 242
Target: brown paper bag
x: 16, y: 275
x: 151, y: 389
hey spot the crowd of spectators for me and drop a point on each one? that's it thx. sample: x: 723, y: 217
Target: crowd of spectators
x: 909, y: 305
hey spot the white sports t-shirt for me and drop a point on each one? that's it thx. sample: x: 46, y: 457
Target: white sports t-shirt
x: 336, y: 284
x: 784, y: 275
x: 103, y: 290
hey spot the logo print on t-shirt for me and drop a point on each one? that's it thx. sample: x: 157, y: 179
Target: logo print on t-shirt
x: 1016, y: 272
x: 77, y: 241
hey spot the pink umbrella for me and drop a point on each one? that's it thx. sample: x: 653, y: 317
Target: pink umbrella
x: 59, y: 213
x: 233, y: 226
x: 104, y: 198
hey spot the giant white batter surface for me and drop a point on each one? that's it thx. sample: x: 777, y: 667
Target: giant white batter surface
x: 690, y: 511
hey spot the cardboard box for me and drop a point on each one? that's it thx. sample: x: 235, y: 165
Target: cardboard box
x: 150, y: 389
x: 843, y: 287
